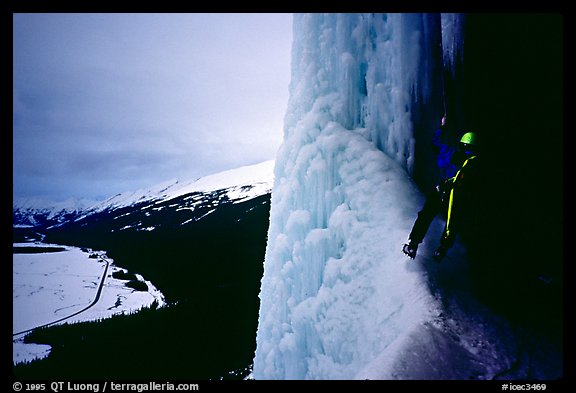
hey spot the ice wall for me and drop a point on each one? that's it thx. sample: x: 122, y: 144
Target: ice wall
x: 337, y: 295
x: 452, y: 26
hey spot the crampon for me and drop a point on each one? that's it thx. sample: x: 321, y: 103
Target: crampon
x: 410, y: 249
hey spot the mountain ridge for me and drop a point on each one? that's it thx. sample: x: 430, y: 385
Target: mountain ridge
x: 242, y: 183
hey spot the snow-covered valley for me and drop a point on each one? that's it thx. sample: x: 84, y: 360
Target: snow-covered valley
x: 63, y: 284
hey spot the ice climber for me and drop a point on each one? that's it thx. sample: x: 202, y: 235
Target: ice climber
x: 453, y: 196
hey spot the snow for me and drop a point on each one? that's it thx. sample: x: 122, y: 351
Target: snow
x: 243, y: 183
x: 259, y: 175
x: 54, y: 207
x: 338, y: 299
x: 50, y: 286
x: 240, y: 184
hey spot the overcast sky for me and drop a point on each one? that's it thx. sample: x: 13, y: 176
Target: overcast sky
x: 106, y: 103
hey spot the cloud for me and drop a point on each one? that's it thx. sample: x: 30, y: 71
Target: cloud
x: 135, y: 99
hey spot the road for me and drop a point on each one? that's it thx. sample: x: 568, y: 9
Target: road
x: 96, y: 298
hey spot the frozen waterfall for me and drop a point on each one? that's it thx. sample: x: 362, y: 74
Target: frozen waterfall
x: 338, y: 299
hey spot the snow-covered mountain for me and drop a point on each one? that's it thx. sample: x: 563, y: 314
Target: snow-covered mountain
x: 234, y: 185
x: 39, y: 212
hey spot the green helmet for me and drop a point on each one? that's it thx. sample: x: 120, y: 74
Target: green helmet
x: 468, y: 138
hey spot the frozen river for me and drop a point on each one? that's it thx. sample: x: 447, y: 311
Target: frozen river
x: 63, y: 284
